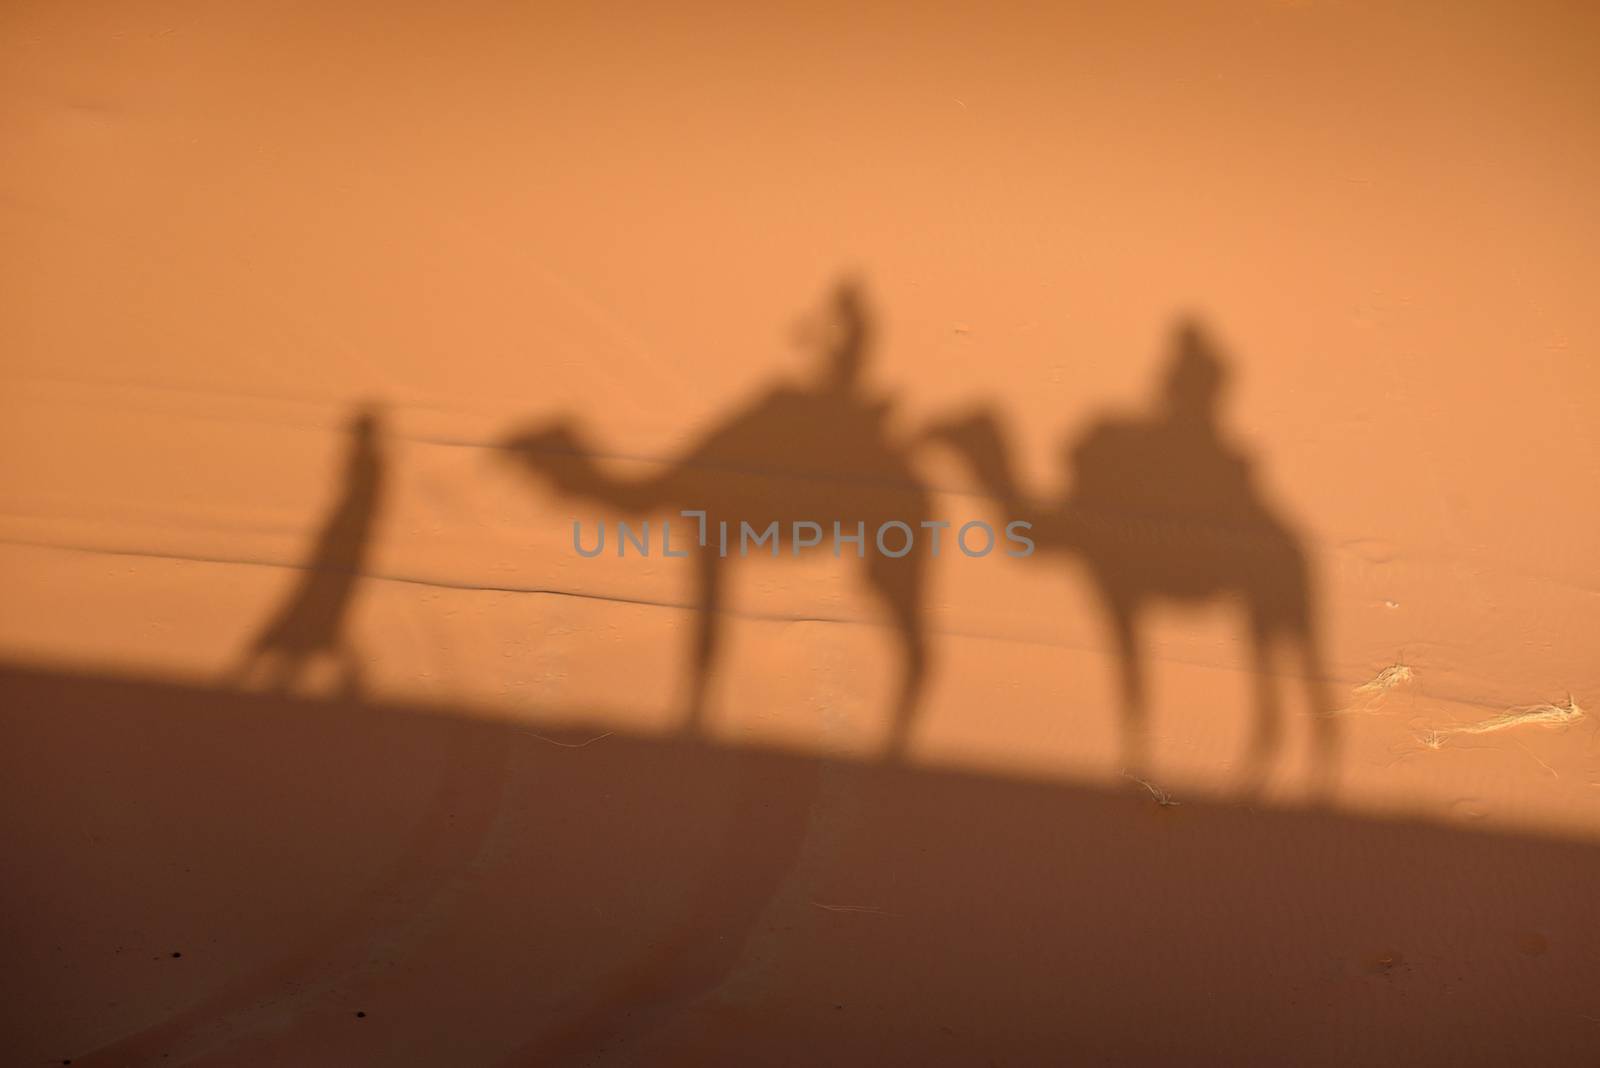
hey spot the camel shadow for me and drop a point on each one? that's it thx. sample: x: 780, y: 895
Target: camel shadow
x: 1162, y: 507
x: 311, y: 621
x: 820, y: 453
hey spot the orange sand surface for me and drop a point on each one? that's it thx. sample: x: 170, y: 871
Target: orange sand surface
x: 325, y: 323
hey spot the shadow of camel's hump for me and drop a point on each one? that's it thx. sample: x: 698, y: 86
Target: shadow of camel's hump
x: 1163, y: 511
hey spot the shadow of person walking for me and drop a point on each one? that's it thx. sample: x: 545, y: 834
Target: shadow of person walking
x: 1162, y: 507
x: 312, y: 620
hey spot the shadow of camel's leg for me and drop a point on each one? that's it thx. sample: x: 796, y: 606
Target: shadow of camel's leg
x: 708, y: 596
x: 1269, y: 713
x: 900, y: 583
x: 352, y: 676
x: 287, y: 666
x: 1324, y: 718
x: 1131, y: 672
x: 241, y: 671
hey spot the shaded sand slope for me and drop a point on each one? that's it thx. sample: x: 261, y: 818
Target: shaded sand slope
x: 485, y: 894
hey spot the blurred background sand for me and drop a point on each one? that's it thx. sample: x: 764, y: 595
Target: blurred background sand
x: 228, y: 226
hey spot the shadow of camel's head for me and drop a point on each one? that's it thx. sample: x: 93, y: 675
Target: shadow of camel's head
x: 534, y: 450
